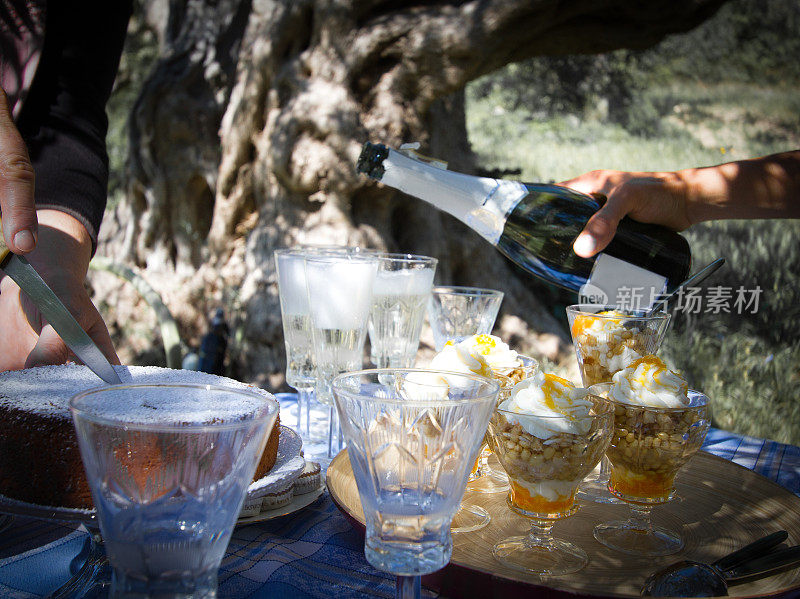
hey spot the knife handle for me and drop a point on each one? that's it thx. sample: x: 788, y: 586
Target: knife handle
x: 4, y: 251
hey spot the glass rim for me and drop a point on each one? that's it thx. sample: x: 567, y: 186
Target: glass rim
x: 342, y: 257
x: 608, y: 408
x: 409, y: 258
x: 458, y: 290
x: 489, y: 395
x: 332, y: 249
x: 269, y: 407
x: 578, y: 309
x: 664, y: 409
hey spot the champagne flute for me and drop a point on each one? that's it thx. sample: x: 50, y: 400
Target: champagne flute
x: 401, y: 292
x: 290, y: 266
x: 339, y: 287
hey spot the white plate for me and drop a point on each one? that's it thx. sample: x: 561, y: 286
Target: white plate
x: 288, y: 466
x: 296, y: 504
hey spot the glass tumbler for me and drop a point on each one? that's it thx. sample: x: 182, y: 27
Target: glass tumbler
x: 606, y: 340
x: 458, y: 312
x: 168, y: 466
x: 412, y: 436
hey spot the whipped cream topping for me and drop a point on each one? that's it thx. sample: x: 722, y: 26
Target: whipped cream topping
x: 648, y: 382
x: 618, y: 361
x: 546, y: 405
x: 422, y: 386
x: 552, y: 490
x: 479, y: 354
x: 606, y: 321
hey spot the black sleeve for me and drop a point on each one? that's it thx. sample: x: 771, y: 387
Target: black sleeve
x: 63, y: 120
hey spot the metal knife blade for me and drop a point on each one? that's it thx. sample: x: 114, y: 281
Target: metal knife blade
x: 54, y: 311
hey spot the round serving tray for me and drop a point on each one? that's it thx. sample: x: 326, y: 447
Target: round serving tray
x: 721, y: 507
x: 288, y: 467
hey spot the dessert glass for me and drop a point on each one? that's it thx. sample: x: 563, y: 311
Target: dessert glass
x: 544, y: 476
x: 605, y: 344
x: 648, y: 447
x: 412, y: 436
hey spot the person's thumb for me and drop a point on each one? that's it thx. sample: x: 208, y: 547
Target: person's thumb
x: 49, y: 349
x: 600, y: 228
x: 16, y: 185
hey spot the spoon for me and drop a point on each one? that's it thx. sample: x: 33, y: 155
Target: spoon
x: 696, y: 579
x: 700, y: 275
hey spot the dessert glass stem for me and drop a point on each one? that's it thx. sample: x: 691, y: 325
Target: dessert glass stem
x: 408, y: 587
x: 640, y: 518
x: 540, y: 534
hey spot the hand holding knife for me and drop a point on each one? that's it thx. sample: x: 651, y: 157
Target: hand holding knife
x: 22, y: 272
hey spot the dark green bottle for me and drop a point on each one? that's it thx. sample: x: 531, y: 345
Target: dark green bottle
x: 536, y: 224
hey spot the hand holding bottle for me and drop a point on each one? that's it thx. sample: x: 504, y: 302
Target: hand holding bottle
x: 766, y: 187
x: 657, y: 198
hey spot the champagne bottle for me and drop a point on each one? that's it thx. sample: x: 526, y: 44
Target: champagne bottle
x: 535, y: 225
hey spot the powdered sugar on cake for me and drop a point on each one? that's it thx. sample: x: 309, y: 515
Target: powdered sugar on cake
x: 46, y: 390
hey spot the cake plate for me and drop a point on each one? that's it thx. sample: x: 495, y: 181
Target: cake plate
x: 95, y: 572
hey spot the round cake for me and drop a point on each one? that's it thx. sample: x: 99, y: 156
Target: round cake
x: 40, y: 461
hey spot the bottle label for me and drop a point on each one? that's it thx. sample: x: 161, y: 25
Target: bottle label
x: 489, y: 220
x: 614, y: 282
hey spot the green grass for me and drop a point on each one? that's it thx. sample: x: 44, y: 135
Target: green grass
x: 749, y: 364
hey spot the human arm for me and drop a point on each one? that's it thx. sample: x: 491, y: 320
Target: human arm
x: 767, y: 187
x: 62, y: 258
x: 63, y: 125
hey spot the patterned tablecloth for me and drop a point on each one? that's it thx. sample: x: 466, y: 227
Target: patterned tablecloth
x: 312, y: 553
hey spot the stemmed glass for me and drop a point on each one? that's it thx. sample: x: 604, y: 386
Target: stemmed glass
x: 606, y: 340
x: 458, y: 312
x: 401, y: 292
x: 546, y: 457
x: 412, y: 436
x: 290, y: 266
x: 648, y: 447
x: 339, y: 287
x: 168, y: 466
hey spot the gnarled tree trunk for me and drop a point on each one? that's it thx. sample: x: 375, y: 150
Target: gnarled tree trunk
x: 246, y: 135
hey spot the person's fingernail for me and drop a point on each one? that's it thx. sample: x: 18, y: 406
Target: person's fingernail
x: 24, y: 240
x: 584, y: 245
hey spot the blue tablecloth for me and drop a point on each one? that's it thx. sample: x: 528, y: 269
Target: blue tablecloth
x: 312, y: 553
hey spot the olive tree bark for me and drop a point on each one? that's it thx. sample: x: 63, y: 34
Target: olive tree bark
x: 246, y: 135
